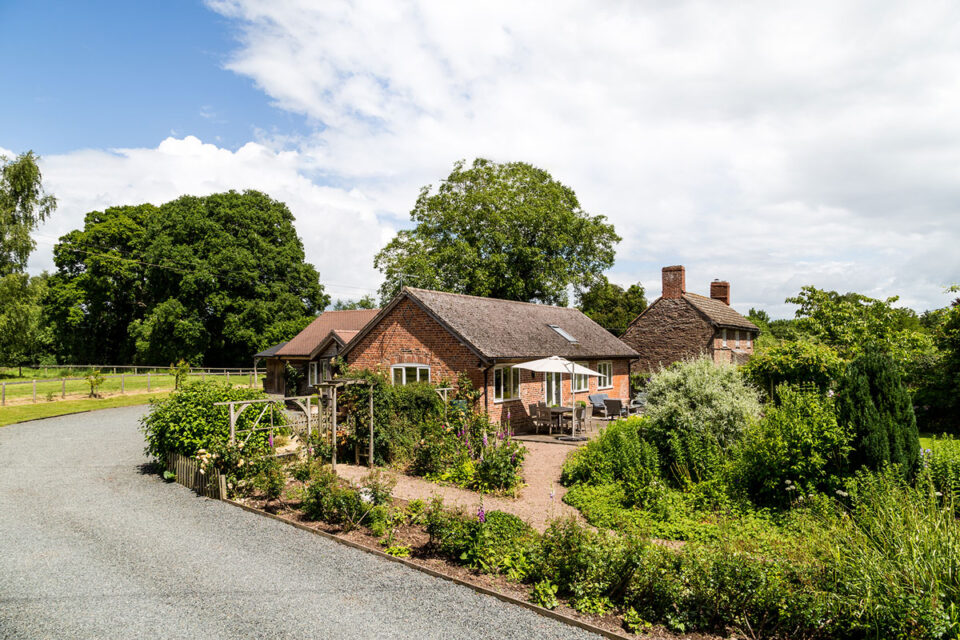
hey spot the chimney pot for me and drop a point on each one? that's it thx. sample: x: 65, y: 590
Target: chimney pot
x: 720, y: 290
x: 674, y: 281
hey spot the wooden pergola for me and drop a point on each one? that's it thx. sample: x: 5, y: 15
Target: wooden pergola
x: 335, y: 385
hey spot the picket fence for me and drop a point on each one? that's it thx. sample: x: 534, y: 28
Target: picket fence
x: 187, y: 470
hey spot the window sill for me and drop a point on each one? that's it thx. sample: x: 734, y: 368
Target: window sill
x: 610, y: 386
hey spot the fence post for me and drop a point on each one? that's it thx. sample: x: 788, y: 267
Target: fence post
x: 134, y: 371
x: 228, y: 377
x: 34, y: 391
x: 3, y: 394
x: 121, y: 383
x: 63, y: 388
x: 233, y: 425
x: 148, y: 382
x: 203, y: 376
x: 251, y: 381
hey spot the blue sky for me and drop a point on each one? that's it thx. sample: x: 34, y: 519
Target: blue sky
x: 772, y: 145
x: 125, y: 74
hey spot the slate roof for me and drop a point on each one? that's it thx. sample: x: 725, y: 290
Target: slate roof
x: 505, y: 329
x: 270, y: 352
x: 719, y: 313
x: 305, y: 343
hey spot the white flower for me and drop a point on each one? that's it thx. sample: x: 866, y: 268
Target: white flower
x: 366, y: 495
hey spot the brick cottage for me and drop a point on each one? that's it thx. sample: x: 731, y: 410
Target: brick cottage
x: 680, y: 325
x: 432, y: 336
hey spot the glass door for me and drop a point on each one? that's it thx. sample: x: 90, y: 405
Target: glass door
x: 553, y: 389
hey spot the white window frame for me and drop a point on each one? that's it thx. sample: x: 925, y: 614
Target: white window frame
x: 581, y: 382
x: 558, y: 388
x: 402, y: 368
x: 723, y: 334
x: 510, y: 383
x: 606, y: 364
x: 312, y: 378
x: 737, y: 344
x: 326, y: 370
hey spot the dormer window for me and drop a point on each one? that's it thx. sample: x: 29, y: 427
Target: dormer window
x: 566, y: 336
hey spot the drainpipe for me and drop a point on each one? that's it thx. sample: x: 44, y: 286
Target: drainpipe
x: 486, y: 396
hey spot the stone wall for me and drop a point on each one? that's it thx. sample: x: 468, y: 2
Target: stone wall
x: 668, y: 331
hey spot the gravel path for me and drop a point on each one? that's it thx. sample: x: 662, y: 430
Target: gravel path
x: 541, y: 475
x: 92, y: 548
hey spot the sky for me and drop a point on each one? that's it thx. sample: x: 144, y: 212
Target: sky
x: 773, y: 145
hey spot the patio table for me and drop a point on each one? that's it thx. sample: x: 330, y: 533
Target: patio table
x: 557, y: 413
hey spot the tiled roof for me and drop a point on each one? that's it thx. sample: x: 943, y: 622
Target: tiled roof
x: 719, y: 313
x: 507, y: 329
x: 307, y: 341
x: 271, y: 351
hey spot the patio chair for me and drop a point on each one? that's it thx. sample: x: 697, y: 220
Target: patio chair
x: 613, y: 408
x: 541, y: 418
x: 576, y: 418
x: 639, y: 403
x: 596, y: 401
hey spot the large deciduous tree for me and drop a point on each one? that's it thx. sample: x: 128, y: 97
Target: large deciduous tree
x: 610, y: 306
x: 499, y: 230
x: 208, y: 279
x: 23, y: 206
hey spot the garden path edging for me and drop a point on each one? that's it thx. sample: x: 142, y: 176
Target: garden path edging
x: 547, y: 613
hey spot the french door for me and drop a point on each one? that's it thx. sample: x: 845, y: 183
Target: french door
x: 553, y: 392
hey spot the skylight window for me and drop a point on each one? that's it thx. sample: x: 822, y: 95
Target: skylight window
x: 566, y: 336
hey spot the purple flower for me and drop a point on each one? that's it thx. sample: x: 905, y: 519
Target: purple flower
x: 271, y: 440
x: 513, y: 458
x: 484, y: 438
x: 481, y: 514
x: 508, y: 415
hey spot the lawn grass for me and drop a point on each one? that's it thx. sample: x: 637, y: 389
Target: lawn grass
x: 53, y: 388
x: 22, y: 413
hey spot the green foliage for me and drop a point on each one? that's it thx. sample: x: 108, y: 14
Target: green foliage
x: 941, y: 463
x: 271, y: 479
x: 796, y: 363
x: 292, y: 378
x: 398, y: 551
x: 619, y: 455
x: 95, y: 380
x: 207, y: 279
x: 544, y: 594
x: 187, y: 420
x: 365, y: 302
x: 23, y: 206
x: 502, y: 231
x: 610, y: 306
x: 696, y: 411
x: 377, y: 487
x: 306, y: 470
x: 894, y: 556
x: 181, y: 373
x: 938, y: 395
x: 796, y: 448
x: 23, y: 336
x: 874, y: 406
x: 327, y: 499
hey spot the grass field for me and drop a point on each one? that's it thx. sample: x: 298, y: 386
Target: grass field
x: 20, y: 391
x: 22, y: 413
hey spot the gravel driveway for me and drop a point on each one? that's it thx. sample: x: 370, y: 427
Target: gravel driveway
x: 92, y: 548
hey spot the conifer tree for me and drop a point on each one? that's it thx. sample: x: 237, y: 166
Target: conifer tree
x: 875, y: 406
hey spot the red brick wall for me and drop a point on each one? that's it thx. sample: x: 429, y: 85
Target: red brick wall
x: 670, y: 330
x: 733, y: 353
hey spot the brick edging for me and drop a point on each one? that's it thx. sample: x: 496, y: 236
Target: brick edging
x: 547, y: 613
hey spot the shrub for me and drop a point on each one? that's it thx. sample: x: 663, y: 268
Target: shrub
x: 696, y: 411
x: 942, y: 463
x: 618, y: 455
x: 894, y: 555
x: 377, y: 487
x: 187, y: 420
x: 307, y: 469
x: 796, y: 447
x: 794, y: 363
x: 95, y: 380
x: 498, y: 542
x: 327, y: 500
x: 271, y: 480
x: 874, y: 405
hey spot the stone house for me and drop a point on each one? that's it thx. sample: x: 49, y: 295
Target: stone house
x: 431, y: 336
x: 680, y: 325
x: 311, y: 351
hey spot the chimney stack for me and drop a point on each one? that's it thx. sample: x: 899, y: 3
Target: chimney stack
x: 720, y: 290
x: 674, y: 281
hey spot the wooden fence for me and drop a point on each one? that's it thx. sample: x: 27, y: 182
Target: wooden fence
x: 210, y: 484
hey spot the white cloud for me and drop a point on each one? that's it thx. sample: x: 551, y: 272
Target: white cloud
x: 772, y: 145
x: 339, y: 228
